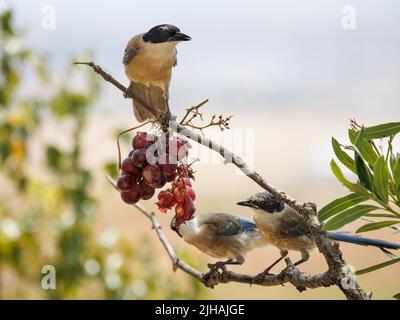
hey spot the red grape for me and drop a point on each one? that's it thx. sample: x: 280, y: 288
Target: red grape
x: 127, y: 165
x: 160, y: 182
x: 170, y: 177
x: 166, y: 199
x: 147, y: 191
x: 143, y: 140
x: 178, y: 148
x: 179, y: 211
x: 168, y: 168
x: 179, y: 194
x: 139, y: 158
x: 191, y: 193
x: 132, y: 196
x: 189, y: 208
x: 126, y: 182
x: 151, y: 174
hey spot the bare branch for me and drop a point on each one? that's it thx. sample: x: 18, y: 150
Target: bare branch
x: 193, y: 113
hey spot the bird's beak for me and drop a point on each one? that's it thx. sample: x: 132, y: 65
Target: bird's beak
x: 247, y: 203
x: 179, y: 36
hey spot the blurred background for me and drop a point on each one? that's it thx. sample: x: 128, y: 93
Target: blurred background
x: 291, y: 74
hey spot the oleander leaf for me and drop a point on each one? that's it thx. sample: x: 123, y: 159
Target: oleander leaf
x: 382, y: 130
x: 376, y: 225
x: 340, y: 204
x: 348, y: 216
x: 342, y: 156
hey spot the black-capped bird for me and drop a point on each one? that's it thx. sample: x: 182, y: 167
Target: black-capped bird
x: 286, y: 229
x: 148, y: 59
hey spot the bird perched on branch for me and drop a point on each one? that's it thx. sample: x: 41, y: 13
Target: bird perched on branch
x: 148, y: 59
x: 220, y: 235
x: 286, y: 229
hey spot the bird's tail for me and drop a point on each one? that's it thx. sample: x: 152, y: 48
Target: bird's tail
x: 151, y: 95
x: 362, y: 241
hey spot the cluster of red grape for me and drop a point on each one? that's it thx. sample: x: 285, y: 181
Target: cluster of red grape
x: 180, y: 195
x: 150, y: 165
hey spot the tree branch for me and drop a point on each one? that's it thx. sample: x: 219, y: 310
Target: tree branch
x: 338, y: 270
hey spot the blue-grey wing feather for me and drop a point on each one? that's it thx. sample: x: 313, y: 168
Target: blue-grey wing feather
x: 129, y: 53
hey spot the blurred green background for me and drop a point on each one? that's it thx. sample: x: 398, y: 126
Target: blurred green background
x: 58, y: 125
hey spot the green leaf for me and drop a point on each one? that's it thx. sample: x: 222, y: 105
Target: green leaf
x: 377, y: 266
x: 396, y: 175
x: 343, y: 156
x: 339, y: 205
x: 382, y: 130
x: 376, y: 225
x: 367, y: 151
x: 397, y: 296
x: 354, y: 187
x: 381, y: 215
x: 363, y: 172
x: 388, y: 253
x: 381, y: 179
x: 348, y: 216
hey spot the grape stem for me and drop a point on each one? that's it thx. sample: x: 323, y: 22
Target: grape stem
x: 336, y: 273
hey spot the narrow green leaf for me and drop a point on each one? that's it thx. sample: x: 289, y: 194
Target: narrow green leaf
x: 381, y: 179
x: 382, y: 130
x: 348, y: 216
x: 342, y: 156
x: 376, y: 225
x: 389, y: 254
x: 367, y: 151
x: 396, y: 174
x: 397, y: 296
x: 381, y: 215
x: 363, y: 171
x: 339, y: 205
x: 354, y: 187
x: 377, y: 266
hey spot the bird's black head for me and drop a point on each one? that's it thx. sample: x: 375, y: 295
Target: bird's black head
x: 175, y: 226
x: 165, y: 33
x: 264, y: 201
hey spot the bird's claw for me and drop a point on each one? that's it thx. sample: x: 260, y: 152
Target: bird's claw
x: 128, y: 92
x: 259, y: 278
x: 217, y: 266
x: 213, y: 273
x: 282, y: 274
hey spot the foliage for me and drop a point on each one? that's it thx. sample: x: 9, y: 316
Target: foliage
x: 47, y: 210
x: 372, y: 158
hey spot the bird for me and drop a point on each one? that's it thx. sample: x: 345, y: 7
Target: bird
x: 148, y: 59
x: 284, y: 228
x: 220, y: 235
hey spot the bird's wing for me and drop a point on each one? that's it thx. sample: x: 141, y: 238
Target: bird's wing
x: 293, y: 225
x: 222, y: 223
x: 129, y: 53
x: 246, y: 224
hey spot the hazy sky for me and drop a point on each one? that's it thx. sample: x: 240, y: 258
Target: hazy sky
x: 245, y: 55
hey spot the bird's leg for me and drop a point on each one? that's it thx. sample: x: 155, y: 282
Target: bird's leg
x: 304, y: 257
x: 129, y: 91
x: 262, y: 274
x: 221, y: 264
x: 284, y: 253
x: 166, y: 116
